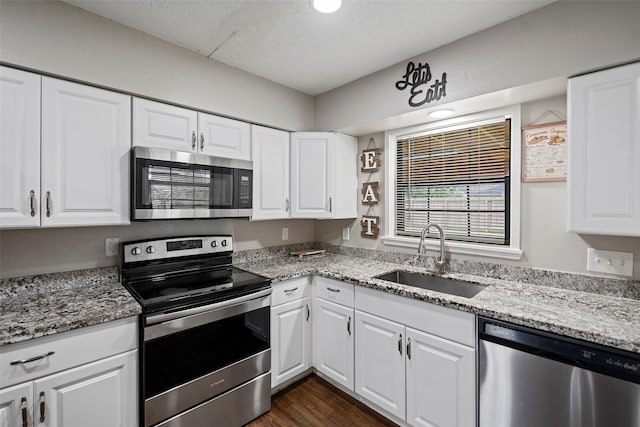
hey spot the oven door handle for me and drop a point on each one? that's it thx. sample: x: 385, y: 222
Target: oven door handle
x: 163, y: 324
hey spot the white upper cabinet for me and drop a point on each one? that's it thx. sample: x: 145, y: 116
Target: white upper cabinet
x: 222, y: 137
x: 604, y: 152
x: 164, y: 126
x: 270, y: 153
x: 323, y: 175
x: 86, y: 138
x: 19, y: 148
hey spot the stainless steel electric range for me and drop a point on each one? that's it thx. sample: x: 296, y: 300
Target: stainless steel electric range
x: 205, y: 352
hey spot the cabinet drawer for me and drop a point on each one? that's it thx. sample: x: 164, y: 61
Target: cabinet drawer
x: 334, y: 290
x: 290, y: 290
x: 72, y: 348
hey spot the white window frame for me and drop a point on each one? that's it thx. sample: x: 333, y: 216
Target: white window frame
x: 513, y: 251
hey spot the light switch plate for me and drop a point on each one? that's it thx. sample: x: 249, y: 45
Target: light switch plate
x: 111, y: 245
x: 285, y: 233
x: 619, y: 263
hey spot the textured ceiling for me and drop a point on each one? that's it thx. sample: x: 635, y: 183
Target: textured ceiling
x: 286, y: 41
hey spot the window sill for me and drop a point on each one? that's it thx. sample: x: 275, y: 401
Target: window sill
x: 456, y: 247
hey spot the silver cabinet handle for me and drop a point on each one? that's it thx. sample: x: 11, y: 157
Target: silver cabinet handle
x: 48, y: 204
x: 201, y: 141
x: 286, y: 204
x: 308, y: 312
x: 409, y: 348
x: 23, y: 411
x: 288, y: 291
x: 32, y: 202
x: 193, y: 140
x: 330, y: 204
x: 333, y: 290
x: 400, y: 345
x: 349, y: 325
x: 32, y: 359
x: 42, y: 406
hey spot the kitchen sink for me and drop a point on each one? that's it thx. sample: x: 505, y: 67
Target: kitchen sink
x: 432, y: 283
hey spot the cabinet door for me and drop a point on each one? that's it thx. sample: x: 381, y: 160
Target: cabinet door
x: 98, y: 394
x: 333, y: 344
x: 16, y: 405
x: 164, y: 126
x: 19, y: 148
x: 290, y: 340
x: 604, y: 152
x: 380, y: 362
x: 312, y: 174
x: 86, y: 138
x: 270, y: 153
x: 440, y: 382
x: 222, y: 137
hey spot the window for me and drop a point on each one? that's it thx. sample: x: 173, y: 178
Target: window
x: 457, y: 178
x: 456, y: 173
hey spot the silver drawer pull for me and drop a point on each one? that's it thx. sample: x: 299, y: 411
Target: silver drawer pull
x: 288, y: 291
x: 48, y: 197
x: 32, y: 359
x: 333, y: 290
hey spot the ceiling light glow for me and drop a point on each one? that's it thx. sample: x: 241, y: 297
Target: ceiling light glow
x: 439, y: 114
x: 327, y: 6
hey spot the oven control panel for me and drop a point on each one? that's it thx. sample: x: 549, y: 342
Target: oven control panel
x: 149, y: 250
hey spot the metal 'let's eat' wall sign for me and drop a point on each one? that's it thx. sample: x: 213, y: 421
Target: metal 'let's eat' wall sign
x: 423, y: 89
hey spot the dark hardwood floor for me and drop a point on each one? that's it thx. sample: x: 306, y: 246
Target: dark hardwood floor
x: 314, y: 402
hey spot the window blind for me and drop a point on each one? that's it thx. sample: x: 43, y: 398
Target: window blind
x: 458, y: 178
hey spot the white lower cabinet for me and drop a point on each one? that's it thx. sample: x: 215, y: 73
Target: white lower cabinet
x: 99, y: 394
x: 422, y: 378
x: 290, y: 330
x: 333, y: 331
x: 440, y: 381
x: 86, y: 377
x: 380, y: 362
x: 16, y: 405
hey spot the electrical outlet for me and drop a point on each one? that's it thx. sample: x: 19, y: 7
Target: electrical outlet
x: 620, y: 263
x: 285, y: 233
x: 345, y: 233
x: 111, y: 245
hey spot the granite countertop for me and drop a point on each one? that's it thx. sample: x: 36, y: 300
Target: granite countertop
x: 607, y: 320
x: 42, y: 305
x: 37, y: 306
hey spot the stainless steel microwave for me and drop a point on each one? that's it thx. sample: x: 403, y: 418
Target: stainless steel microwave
x: 167, y: 184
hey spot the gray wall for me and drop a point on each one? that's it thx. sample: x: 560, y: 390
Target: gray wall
x: 53, y: 37
x: 558, y: 40
x: 36, y: 251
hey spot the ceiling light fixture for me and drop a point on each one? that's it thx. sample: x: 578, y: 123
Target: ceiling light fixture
x: 439, y: 114
x: 327, y: 6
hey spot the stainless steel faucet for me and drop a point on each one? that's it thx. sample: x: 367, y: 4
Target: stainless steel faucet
x: 441, y: 261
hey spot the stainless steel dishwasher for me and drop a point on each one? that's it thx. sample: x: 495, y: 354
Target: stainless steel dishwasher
x: 530, y: 378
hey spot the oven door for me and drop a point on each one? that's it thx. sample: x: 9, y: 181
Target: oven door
x: 194, y: 355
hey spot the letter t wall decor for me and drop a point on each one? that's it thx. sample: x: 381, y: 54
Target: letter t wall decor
x: 371, y: 161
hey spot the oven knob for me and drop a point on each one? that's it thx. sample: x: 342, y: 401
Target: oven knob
x: 224, y: 243
x: 136, y: 251
x: 150, y: 249
x: 214, y: 244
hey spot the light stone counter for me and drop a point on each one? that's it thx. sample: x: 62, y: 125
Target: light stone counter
x: 36, y: 306
x: 603, y: 319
